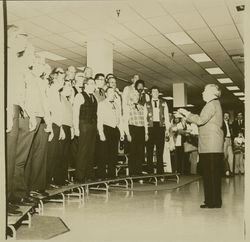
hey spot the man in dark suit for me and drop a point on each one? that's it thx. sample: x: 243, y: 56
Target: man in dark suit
x: 228, y: 150
x: 238, y: 125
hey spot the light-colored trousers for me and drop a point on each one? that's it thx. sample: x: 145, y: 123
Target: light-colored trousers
x: 239, y: 163
x: 228, y: 153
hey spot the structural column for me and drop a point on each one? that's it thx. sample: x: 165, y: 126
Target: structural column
x: 100, y: 55
x: 179, y: 95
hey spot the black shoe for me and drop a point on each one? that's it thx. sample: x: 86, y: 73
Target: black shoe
x: 27, y: 201
x: 14, y: 212
x: 10, y: 205
x: 39, y: 193
x: 210, y: 206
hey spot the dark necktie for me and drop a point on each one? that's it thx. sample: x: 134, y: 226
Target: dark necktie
x: 91, y: 97
x: 100, y: 92
x: 155, y: 101
x: 113, y: 105
x: 136, y: 106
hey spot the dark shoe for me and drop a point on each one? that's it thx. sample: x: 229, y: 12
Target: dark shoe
x: 210, y: 206
x: 39, y: 193
x: 51, y: 187
x: 10, y: 205
x: 27, y: 201
x: 204, y: 206
x: 14, y: 212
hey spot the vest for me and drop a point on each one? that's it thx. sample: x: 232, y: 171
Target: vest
x: 150, y: 113
x: 88, y: 110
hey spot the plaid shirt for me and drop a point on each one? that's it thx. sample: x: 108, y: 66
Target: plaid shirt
x: 136, y: 115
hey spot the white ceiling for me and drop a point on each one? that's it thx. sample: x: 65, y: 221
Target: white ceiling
x: 138, y: 35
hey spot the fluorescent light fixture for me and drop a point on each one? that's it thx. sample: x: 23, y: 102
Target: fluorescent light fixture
x: 202, y: 57
x: 242, y: 98
x: 239, y: 94
x: 189, y: 105
x: 224, y: 80
x: 51, y: 56
x: 168, y: 98
x: 232, y: 88
x: 179, y: 38
x: 214, y: 70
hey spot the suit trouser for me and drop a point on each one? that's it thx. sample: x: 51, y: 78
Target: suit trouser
x: 61, y: 166
x: 179, y: 156
x: 12, y: 138
x: 211, y: 165
x: 228, y: 155
x: 239, y: 162
x: 53, y: 156
x: 24, y: 143
x: 156, y: 137
x: 86, y: 149
x: 137, y: 149
x: 110, y: 151
x: 35, y: 169
x: 99, y: 157
x: 193, y: 158
x: 73, y: 152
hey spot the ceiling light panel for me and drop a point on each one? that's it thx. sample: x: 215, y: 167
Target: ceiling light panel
x: 238, y: 94
x: 224, y: 80
x: 201, y: 57
x: 233, y: 88
x: 214, y: 70
x: 179, y: 38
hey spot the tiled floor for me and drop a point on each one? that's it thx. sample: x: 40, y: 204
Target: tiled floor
x: 168, y: 215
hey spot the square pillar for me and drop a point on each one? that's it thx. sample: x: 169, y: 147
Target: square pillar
x: 100, y: 56
x: 179, y: 95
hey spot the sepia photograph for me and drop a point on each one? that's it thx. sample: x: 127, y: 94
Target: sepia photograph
x: 124, y: 120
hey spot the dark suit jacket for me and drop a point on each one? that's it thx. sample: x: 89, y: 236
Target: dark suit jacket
x: 224, y: 128
x: 236, y: 128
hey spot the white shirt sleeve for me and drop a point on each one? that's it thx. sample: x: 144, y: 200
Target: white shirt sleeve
x: 78, y: 101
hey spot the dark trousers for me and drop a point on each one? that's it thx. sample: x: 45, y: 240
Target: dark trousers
x: 24, y: 143
x: 12, y: 137
x: 73, y: 152
x: 211, y: 165
x: 179, y: 157
x: 173, y: 161
x: 99, y: 157
x: 186, y: 163
x: 86, y: 149
x: 109, y: 155
x: 61, y: 167
x: 53, y: 156
x: 156, y: 137
x: 137, y: 149
x: 35, y: 168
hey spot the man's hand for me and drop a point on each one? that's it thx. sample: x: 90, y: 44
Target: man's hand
x: 72, y: 133
x: 51, y: 136
x: 62, y: 134
x: 77, y: 132
x: 183, y: 112
x: 32, y: 123
x: 129, y: 138
x: 9, y: 123
x: 102, y: 137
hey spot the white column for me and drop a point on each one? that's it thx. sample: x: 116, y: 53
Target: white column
x: 179, y: 95
x: 2, y: 130
x: 100, y: 55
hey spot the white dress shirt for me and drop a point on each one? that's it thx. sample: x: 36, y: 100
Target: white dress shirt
x: 108, y: 113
